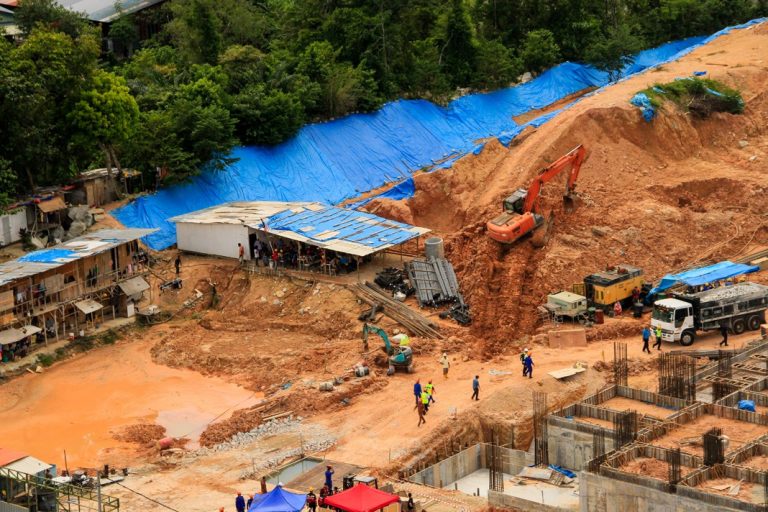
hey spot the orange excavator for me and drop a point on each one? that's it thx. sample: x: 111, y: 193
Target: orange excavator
x: 521, y: 210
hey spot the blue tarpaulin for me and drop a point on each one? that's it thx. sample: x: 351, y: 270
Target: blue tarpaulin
x: 644, y: 103
x: 48, y: 256
x: 333, y: 161
x: 746, y: 405
x: 704, y: 275
x: 278, y: 500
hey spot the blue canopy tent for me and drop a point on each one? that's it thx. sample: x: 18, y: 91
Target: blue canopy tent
x: 703, y: 275
x: 278, y: 500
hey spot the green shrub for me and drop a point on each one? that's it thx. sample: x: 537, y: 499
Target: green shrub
x: 109, y: 337
x: 699, y: 96
x: 45, y: 360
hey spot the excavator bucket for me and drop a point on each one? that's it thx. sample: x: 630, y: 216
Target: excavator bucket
x: 569, y: 203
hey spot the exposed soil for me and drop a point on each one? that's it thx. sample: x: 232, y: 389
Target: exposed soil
x: 141, y: 433
x: 662, y: 196
x: 745, y: 493
x: 650, y: 467
x: 643, y: 185
x: 739, y: 433
x: 621, y: 403
x: 758, y: 462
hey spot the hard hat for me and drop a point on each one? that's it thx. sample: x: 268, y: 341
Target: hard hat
x: 445, y: 354
x: 525, y: 349
x: 311, y: 489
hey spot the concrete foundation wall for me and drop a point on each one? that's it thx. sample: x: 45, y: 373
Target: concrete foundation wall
x: 501, y: 500
x: 468, y: 461
x: 600, y: 494
x: 570, y: 448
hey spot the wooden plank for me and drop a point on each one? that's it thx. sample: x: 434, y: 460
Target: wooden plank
x: 566, y: 372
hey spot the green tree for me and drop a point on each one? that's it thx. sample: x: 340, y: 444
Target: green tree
x: 611, y: 53
x: 8, y: 183
x: 496, y: 66
x: 41, y: 80
x: 266, y: 116
x: 124, y: 32
x: 458, y: 49
x: 540, y: 50
x: 105, y: 114
x: 426, y: 77
x: 50, y: 14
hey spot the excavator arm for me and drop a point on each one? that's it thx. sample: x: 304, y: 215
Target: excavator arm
x: 574, y: 158
x: 368, y: 328
x: 521, y: 213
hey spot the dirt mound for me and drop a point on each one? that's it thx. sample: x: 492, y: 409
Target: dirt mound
x: 141, y: 433
x: 634, y: 366
x: 664, y: 196
x: 243, y: 420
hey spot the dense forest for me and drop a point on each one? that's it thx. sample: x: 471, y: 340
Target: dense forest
x: 217, y: 73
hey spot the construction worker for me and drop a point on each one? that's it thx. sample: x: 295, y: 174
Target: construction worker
x: 617, y: 309
x: 430, y: 389
x: 177, y: 264
x: 724, y: 332
x: 522, y: 360
x: 529, y: 365
x: 263, y: 485
x: 425, y: 401
x: 417, y: 391
x: 476, y: 388
x: 240, y: 503
x: 329, y: 477
x: 657, y: 335
x: 240, y: 253
x: 422, y: 411
x: 446, y: 364
x: 311, y: 500
x: 248, y: 503
x: 646, y: 338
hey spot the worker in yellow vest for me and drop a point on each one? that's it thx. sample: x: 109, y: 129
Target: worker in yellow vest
x: 430, y: 389
x: 425, y: 401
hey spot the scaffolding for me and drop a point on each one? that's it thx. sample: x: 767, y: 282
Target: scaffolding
x: 36, y: 493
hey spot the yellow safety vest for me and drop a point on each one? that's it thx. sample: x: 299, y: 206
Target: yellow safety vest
x: 428, y: 388
x: 424, y: 398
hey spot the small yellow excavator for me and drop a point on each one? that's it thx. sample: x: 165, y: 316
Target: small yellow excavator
x: 398, y: 358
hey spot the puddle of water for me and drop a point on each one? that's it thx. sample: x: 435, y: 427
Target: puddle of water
x: 78, y: 405
x: 292, y: 471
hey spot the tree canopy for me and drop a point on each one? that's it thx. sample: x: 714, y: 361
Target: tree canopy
x: 220, y: 73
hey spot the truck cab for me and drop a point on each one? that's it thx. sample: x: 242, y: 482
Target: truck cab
x: 675, y: 318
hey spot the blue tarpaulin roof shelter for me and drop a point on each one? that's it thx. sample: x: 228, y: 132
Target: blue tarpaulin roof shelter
x: 278, y: 500
x: 704, y: 275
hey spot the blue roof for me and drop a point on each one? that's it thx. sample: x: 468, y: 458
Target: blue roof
x: 704, y: 275
x: 278, y: 500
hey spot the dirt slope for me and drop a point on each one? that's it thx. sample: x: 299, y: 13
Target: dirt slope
x: 662, y: 195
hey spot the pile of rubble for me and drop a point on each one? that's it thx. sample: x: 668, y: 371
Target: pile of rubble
x: 314, y: 438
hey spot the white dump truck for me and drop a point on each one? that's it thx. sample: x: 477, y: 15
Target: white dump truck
x: 740, y: 307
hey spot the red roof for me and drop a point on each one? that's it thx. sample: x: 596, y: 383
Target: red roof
x: 361, y: 498
x: 7, y: 456
x: 9, y: 3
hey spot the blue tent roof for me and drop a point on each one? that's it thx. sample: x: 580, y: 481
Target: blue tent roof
x: 278, y: 500
x: 703, y: 275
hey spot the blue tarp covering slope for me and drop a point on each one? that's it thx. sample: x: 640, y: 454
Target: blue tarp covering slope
x: 278, y: 500
x: 704, y: 275
x: 333, y: 161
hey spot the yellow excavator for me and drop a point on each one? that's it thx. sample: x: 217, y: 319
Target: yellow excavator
x: 398, y: 357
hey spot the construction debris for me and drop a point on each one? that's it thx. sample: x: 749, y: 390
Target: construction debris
x: 416, y: 323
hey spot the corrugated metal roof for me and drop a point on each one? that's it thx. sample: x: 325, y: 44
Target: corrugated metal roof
x: 12, y: 335
x: 88, y: 306
x: 134, y: 286
x: 29, y: 465
x: 104, y: 11
x: 46, y: 259
x: 338, y: 229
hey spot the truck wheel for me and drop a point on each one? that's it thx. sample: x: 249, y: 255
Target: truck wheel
x: 738, y: 326
x: 582, y: 319
x: 687, y: 338
x: 754, y: 322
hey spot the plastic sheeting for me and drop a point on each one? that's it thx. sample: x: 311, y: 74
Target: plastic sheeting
x: 704, y: 275
x: 333, y: 161
x: 746, y: 405
x: 642, y: 101
x: 49, y: 256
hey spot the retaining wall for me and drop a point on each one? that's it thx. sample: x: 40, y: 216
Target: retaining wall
x: 501, y: 500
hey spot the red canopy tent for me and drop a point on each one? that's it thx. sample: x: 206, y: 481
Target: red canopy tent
x: 361, y: 498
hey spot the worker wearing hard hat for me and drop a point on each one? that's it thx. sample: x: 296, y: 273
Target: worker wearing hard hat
x: 522, y: 360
